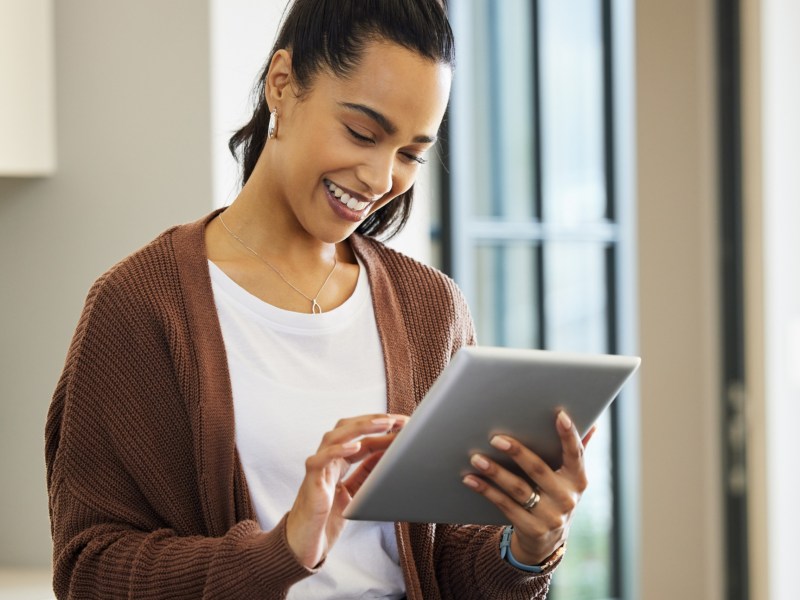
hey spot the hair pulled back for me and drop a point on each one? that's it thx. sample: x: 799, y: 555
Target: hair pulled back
x: 332, y: 35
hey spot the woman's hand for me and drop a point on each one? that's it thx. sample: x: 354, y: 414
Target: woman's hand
x: 315, y: 520
x: 542, y: 529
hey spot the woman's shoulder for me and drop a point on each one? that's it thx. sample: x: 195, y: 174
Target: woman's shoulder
x: 153, y: 272
x: 404, y: 270
x: 425, y: 294
x: 150, y: 265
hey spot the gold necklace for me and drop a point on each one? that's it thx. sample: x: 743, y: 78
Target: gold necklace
x: 315, y: 307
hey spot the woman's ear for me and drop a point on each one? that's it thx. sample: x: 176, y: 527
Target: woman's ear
x: 279, y: 78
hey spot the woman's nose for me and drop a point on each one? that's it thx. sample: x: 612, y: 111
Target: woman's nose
x: 377, y: 175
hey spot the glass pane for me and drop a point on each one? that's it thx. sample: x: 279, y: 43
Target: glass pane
x: 473, y: 139
x: 572, y: 132
x: 577, y: 321
x: 505, y: 308
x: 585, y: 573
x: 513, y: 116
x: 496, y: 75
x: 576, y: 297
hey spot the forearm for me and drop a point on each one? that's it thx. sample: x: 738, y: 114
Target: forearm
x: 99, y: 559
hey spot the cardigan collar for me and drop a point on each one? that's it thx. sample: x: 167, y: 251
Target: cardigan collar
x: 210, y: 404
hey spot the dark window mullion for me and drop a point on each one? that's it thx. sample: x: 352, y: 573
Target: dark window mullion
x: 541, y: 306
x: 608, y: 111
x: 612, y: 306
x: 536, y: 170
x: 732, y: 286
x: 501, y: 300
x: 536, y: 107
x: 612, y: 342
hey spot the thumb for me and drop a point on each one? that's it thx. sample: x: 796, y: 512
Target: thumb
x: 589, y: 435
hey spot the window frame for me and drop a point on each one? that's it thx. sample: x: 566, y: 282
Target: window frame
x: 458, y: 233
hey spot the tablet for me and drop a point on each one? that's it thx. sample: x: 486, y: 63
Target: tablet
x: 484, y: 391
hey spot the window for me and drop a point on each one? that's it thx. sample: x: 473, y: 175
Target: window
x: 531, y: 226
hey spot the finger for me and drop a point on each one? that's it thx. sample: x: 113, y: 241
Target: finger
x: 571, y: 446
x: 372, y: 444
x: 355, y: 481
x: 513, y: 485
x: 589, y: 435
x: 562, y: 491
x: 531, y: 463
x: 510, y: 508
x: 400, y: 421
x: 330, y: 453
x: 349, y: 429
x: 539, y: 529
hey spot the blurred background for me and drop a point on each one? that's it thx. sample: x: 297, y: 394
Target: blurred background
x: 615, y: 176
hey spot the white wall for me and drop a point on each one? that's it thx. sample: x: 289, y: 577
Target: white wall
x: 27, y: 141
x: 772, y: 186
x: 242, y: 33
x: 132, y: 118
x: 781, y: 163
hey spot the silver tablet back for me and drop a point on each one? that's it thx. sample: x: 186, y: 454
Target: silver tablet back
x: 482, y: 392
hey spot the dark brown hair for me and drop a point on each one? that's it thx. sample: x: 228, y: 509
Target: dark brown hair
x: 332, y: 35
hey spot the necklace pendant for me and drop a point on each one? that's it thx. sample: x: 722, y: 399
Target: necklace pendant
x: 316, y: 309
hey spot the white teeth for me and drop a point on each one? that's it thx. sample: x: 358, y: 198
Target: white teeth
x: 345, y: 198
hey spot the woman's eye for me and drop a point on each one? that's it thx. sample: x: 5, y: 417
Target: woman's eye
x: 359, y: 137
x: 415, y: 158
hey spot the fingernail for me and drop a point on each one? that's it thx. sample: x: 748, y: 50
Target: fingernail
x: 351, y: 445
x: 383, y: 421
x: 564, y: 421
x: 500, y: 443
x: 470, y: 482
x: 478, y: 461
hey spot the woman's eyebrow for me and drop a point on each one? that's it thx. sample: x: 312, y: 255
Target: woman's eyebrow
x: 383, y: 121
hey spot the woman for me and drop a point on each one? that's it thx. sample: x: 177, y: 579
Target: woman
x: 195, y: 445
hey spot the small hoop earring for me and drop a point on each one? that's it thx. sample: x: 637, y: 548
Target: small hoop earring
x: 272, y: 128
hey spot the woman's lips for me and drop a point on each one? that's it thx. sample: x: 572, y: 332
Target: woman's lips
x: 346, y: 205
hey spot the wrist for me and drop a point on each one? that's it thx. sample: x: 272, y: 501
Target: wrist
x: 308, y: 555
x: 545, y: 565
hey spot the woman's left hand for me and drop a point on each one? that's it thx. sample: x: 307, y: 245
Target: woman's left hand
x: 541, y: 530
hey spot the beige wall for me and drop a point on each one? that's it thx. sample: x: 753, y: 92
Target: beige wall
x: 133, y: 127
x: 677, y: 232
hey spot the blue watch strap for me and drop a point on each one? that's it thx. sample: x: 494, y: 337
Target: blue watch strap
x: 505, y: 553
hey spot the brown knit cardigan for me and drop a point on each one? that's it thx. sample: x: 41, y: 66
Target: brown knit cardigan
x: 147, y: 496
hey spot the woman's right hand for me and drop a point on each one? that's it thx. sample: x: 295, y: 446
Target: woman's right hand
x: 315, y: 520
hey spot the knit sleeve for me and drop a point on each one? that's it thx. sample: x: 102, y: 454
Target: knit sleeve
x: 126, y: 519
x: 469, y: 566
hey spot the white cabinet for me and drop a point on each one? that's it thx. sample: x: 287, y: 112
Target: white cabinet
x: 27, y: 88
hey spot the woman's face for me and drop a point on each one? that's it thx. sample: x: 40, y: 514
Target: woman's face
x: 351, y: 145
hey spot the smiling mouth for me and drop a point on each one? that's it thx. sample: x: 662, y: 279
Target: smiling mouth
x: 342, y: 196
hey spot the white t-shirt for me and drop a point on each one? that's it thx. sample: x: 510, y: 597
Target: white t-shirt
x: 294, y: 376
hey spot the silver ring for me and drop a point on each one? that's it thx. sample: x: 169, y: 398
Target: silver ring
x: 531, y: 502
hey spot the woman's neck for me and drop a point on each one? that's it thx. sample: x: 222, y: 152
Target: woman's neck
x: 264, y: 219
